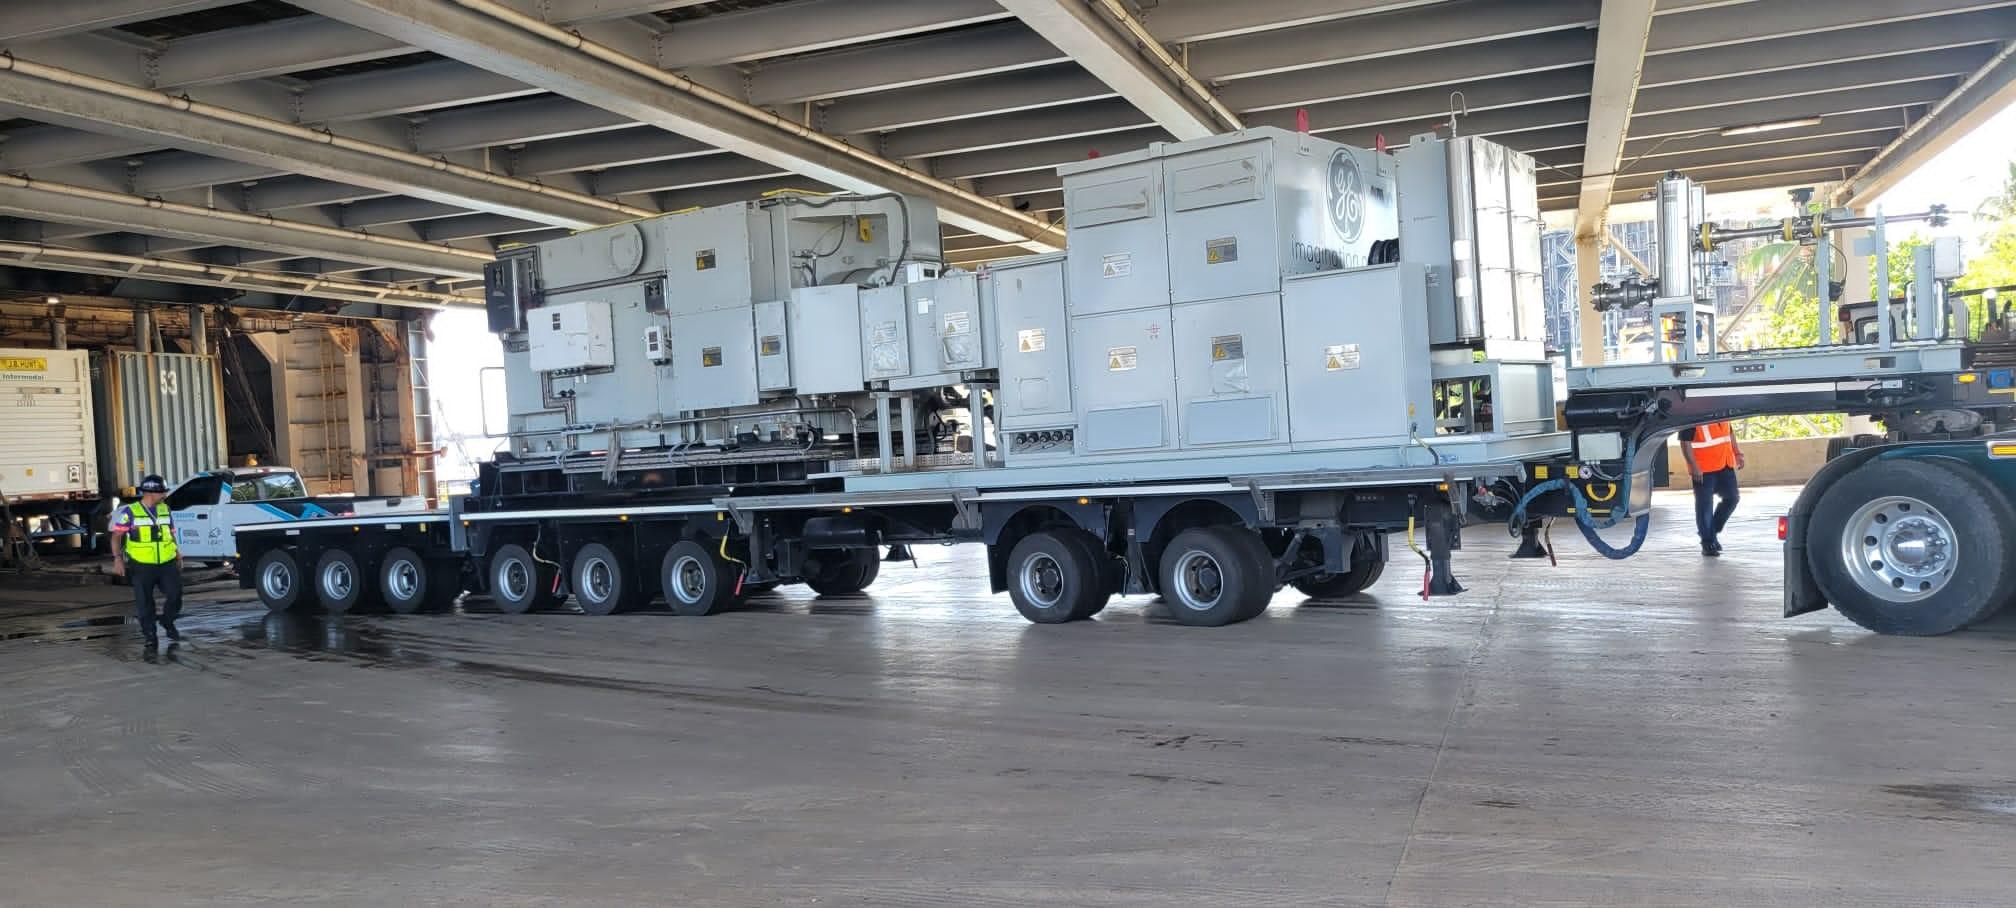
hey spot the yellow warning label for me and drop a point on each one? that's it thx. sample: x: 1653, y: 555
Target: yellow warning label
x: 23, y: 364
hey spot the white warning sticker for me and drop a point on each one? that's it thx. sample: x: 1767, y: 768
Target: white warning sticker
x: 958, y: 321
x: 1122, y: 359
x: 1029, y: 340
x: 1118, y: 264
x: 1338, y: 357
x: 883, y: 333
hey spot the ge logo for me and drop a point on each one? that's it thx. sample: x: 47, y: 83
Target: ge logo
x: 1347, y: 195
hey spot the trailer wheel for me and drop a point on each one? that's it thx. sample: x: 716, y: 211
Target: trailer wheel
x: 1363, y: 573
x: 843, y: 572
x: 344, y: 584
x: 1214, y: 576
x: 1111, y: 573
x: 603, y: 582
x: 1886, y: 551
x: 1053, y: 577
x: 277, y: 578
x: 409, y: 583
x: 519, y: 583
x: 695, y: 580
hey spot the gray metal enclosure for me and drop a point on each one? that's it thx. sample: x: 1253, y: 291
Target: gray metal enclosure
x: 1253, y: 293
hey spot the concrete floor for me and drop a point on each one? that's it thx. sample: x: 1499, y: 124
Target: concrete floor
x: 1601, y: 733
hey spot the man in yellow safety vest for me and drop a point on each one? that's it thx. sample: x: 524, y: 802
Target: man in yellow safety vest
x: 143, y: 551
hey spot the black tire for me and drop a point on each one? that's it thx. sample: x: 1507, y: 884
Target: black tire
x: 604, y: 582
x: 1916, y: 506
x: 1111, y: 573
x: 1053, y: 577
x: 1214, y: 576
x: 1363, y: 573
x: 278, y: 581
x: 696, y: 580
x: 843, y: 572
x: 1835, y: 446
x: 406, y: 582
x: 518, y: 582
x: 345, y: 584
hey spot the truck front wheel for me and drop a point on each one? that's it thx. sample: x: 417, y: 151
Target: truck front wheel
x: 1886, y: 551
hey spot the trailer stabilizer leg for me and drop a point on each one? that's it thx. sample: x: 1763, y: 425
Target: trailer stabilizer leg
x: 1441, y: 541
x: 1530, y: 545
x: 899, y: 552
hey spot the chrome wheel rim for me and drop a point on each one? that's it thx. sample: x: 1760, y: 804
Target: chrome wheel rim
x: 598, y: 579
x: 1200, y: 581
x: 403, y: 579
x: 1900, y: 549
x: 276, y: 581
x: 1042, y: 580
x: 689, y: 580
x: 514, y: 580
x: 338, y: 581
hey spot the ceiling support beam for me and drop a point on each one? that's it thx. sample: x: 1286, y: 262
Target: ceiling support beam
x: 101, y: 105
x: 27, y: 21
x: 1109, y: 42
x: 1621, y: 31
x: 26, y: 198
x: 497, y: 38
x: 1988, y: 91
x: 107, y: 264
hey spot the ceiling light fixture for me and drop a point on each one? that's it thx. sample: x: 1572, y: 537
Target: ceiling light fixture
x: 1772, y: 126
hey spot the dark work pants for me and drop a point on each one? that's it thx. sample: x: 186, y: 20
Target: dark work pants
x: 1710, y: 517
x: 146, y: 579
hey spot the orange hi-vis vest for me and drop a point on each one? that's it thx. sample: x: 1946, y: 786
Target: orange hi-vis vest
x: 1713, y: 448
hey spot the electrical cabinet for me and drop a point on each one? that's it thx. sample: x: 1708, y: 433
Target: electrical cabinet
x: 570, y: 336
x: 885, y: 334
x: 1358, y: 369
x: 1123, y: 367
x: 1119, y: 236
x: 1229, y: 374
x: 773, y: 346
x: 1033, y: 339
x: 714, y: 360
x: 823, y: 338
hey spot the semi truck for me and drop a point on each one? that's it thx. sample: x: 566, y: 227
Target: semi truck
x: 1266, y: 359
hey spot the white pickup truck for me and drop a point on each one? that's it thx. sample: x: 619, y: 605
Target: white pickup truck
x: 210, y: 506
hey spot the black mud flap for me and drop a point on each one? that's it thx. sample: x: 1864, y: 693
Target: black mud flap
x: 1802, y: 594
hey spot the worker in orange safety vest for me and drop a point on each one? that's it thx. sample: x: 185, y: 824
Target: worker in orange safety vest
x: 1713, y: 457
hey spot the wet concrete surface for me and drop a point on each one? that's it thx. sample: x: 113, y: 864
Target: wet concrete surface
x: 1639, y: 732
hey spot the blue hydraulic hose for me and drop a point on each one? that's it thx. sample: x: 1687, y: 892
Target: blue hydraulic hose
x: 1582, y: 520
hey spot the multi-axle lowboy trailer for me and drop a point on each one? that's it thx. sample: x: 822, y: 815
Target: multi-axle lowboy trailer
x: 1265, y: 357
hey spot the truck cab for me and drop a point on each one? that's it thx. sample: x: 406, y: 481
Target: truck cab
x: 211, y: 504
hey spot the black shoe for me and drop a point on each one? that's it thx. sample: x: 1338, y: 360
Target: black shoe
x: 172, y: 633
x: 1710, y: 550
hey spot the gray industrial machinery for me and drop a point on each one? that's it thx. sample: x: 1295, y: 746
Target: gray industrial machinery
x: 1260, y: 291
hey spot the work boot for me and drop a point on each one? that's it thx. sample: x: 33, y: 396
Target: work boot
x: 1711, y: 550
x: 169, y: 629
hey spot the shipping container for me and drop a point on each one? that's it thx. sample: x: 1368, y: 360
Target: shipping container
x: 47, y: 449
x: 158, y: 413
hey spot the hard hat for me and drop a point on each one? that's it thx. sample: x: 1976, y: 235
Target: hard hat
x: 153, y: 484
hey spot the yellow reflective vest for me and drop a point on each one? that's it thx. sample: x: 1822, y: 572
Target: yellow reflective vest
x: 151, y: 538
